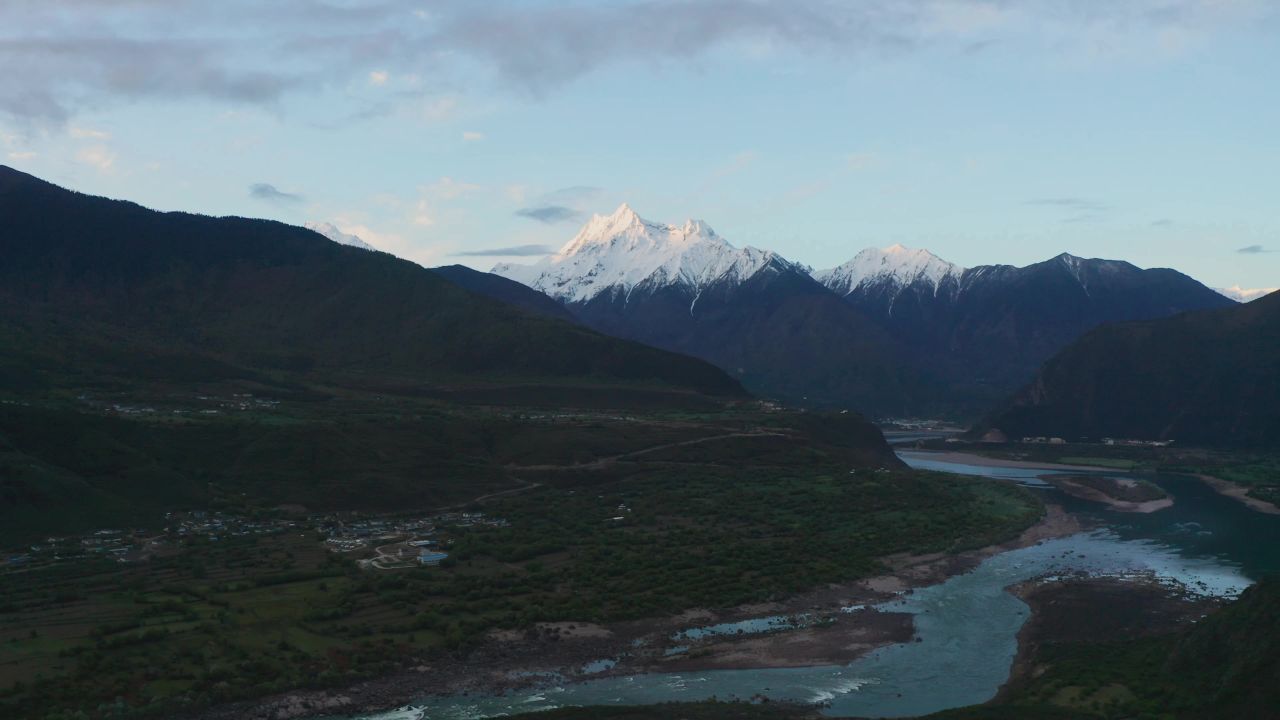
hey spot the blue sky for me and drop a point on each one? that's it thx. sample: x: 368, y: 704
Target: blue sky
x: 986, y: 131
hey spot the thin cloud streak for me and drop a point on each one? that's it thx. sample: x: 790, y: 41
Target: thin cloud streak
x: 513, y: 251
x: 549, y: 214
x: 1080, y: 210
x: 270, y: 193
x: 1071, y: 203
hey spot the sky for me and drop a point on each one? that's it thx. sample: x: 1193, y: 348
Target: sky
x: 988, y: 131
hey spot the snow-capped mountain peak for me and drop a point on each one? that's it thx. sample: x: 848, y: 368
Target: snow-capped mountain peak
x: 896, y: 264
x: 623, y: 227
x: 332, y: 232
x: 623, y: 250
x: 1244, y: 295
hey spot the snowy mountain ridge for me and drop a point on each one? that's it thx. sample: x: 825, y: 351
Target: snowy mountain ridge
x: 624, y: 251
x: 620, y: 252
x: 895, y: 264
x: 331, y: 231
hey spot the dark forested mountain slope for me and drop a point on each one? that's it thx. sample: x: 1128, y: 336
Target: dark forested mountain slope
x: 778, y: 331
x: 88, y: 283
x: 503, y: 290
x: 1231, y: 660
x: 1009, y: 320
x: 1208, y: 377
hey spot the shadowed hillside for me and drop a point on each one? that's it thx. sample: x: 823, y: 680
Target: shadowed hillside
x: 503, y: 290
x: 90, y: 284
x: 1208, y: 377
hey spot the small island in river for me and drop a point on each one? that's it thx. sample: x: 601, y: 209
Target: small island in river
x: 1123, y: 494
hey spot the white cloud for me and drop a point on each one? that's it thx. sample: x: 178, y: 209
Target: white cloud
x: 97, y: 156
x: 379, y: 77
x: 472, y: 136
x: 80, y: 133
x: 517, y: 193
x: 442, y: 191
x: 1244, y: 295
x: 439, y: 110
x: 21, y: 155
x: 423, y: 216
x: 391, y: 241
x: 446, y: 188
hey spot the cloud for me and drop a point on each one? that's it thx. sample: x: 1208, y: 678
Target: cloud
x: 513, y: 251
x: 449, y: 189
x: 1253, y: 250
x: 1071, y: 203
x: 1078, y: 209
x: 435, y: 198
x: 1162, y: 222
x: 438, y: 110
x: 563, y: 205
x: 472, y: 136
x: 269, y: 193
x: 18, y: 155
x: 51, y: 76
x: 1244, y: 295
x: 80, y: 133
x: 549, y: 213
x: 98, y: 156
x: 82, y: 54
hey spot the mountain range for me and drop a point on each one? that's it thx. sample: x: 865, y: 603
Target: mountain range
x: 762, y: 318
x: 95, y: 288
x: 892, y: 331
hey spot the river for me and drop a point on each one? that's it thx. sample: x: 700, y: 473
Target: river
x: 967, y: 625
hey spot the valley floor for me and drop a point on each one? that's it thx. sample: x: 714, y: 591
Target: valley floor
x: 826, y: 634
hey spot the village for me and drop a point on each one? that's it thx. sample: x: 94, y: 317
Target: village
x: 398, y: 543
x: 392, y: 542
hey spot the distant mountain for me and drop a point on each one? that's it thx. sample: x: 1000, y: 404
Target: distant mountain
x: 911, y: 294
x: 752, y: 312
x: 92, y: 289
x: 916, y: 335
x: 985, y: 330
x: 1239, y: 294
x: 332, y: 232
x: 1208, y: 377
x: 504, y: 290
x: 892, y: 270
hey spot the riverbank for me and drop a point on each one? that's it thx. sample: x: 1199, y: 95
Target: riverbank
x: 1238, y: 492
x: 1121, y: 494
x: 1097, y: 610
x: 963, y: 458
x: 830, y: 629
